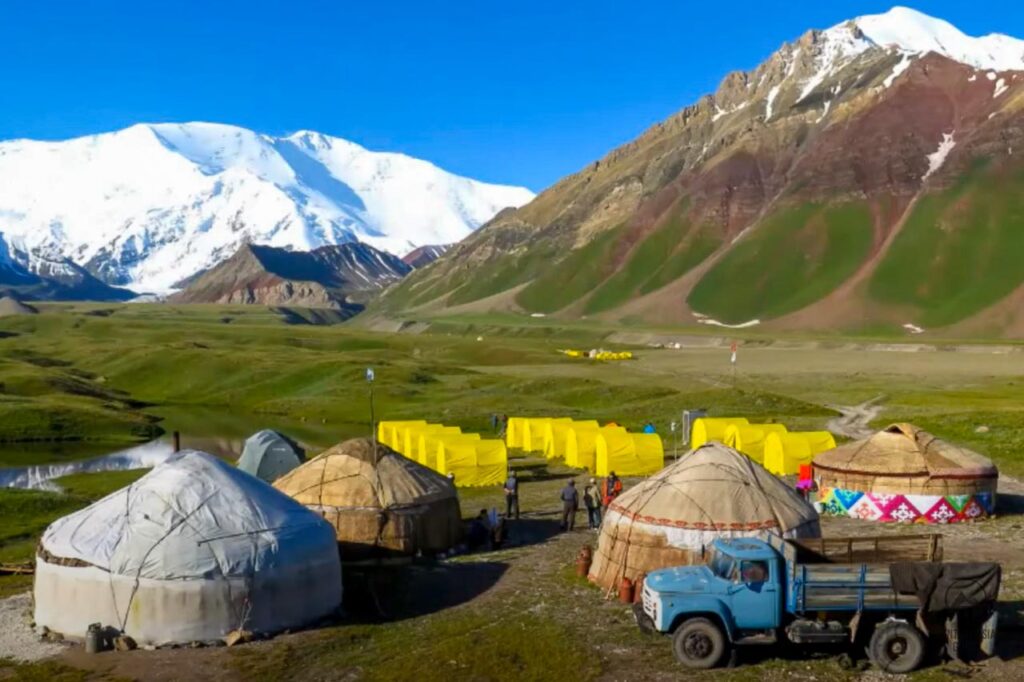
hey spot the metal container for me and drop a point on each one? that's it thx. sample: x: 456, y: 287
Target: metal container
x: 94, y: 639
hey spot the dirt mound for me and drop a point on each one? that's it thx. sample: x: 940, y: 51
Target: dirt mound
x: 12, y: 306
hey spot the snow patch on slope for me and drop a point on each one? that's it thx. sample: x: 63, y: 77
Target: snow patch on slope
x: 902, y: 66
x: 938, y: 157
x: 772, y: 94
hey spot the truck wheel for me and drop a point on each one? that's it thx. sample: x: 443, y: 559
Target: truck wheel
x: 897, y: 647
x: 699, y: 643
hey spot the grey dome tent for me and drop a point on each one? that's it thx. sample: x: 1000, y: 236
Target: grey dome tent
x: 269, y: 455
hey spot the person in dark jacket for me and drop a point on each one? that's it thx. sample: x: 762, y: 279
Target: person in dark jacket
x: 511, y: 495
x: 570, y: 503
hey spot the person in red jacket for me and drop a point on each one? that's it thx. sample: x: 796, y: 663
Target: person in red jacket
x: 611, y: 487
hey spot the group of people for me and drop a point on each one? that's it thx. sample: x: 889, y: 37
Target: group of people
x: 596, y: 498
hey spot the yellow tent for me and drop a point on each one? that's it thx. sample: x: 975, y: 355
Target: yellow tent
x: 581, y: 444
x: 414, y: 439
x: 430, y: 441
x: 514, y: 432
x: 387, y: 431
x: 628, y: 454
x: 750, y: 439
x: 554, y: 437
x: 785, y: 452
x: 533, y: 434
x: 472, y: 462
x: 707, y: 429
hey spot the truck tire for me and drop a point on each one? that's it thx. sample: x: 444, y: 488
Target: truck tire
x: 699, y: 644
x: 896, y: 647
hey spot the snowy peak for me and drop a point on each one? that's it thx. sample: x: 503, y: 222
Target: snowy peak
x: 911, y: 31
x: 151, y: 205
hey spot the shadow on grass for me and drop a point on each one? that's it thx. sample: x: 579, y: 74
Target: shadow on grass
x: 380, y: 595
x: 1009, y: 504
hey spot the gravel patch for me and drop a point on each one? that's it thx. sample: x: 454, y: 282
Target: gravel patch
x: 17, y: 640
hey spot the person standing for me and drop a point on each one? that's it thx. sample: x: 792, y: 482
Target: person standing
x: 592, y: 501
x: 570, y: 503
x: 511, y: 495
x: 610, y: 489
x: 649, y: 428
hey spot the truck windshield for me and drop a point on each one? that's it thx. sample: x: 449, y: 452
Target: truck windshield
x: 721, y: 565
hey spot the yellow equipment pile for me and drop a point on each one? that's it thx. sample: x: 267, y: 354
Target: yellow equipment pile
x: 472, y: 460
x: 597, y: 354
x: 772, y: 445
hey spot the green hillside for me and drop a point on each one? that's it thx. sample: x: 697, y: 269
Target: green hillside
x: 796, y: 257
x: 960, y: 250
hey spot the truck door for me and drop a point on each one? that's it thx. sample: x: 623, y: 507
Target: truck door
x: 755, y: 595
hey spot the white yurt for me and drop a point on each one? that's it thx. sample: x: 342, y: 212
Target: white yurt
x: 190, y: 552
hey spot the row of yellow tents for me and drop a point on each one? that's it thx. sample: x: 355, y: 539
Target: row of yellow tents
x: 598, y: 354
x: 588, y: 445
x: 779, y: 450
x: 472, y: 460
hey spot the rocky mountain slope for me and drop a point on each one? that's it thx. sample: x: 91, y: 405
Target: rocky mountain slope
x: 864, y: 177
x: 149, y: 206
x: 424, y: 255
x: 341, y: 277
x: 37, y: 278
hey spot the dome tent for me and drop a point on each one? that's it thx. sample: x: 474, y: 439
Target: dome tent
x: 711, y: 492
x: 269, y: 455
x: 750, y: 439
x: 905, y: 474
x: 189, y: 552
x: 707, y: 429
x: 381, y: 504
x: 785, y: 452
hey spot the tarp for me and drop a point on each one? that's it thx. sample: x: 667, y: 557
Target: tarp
x: 192, y: 550
x: 627, y: 454
x: 380, y: 503
x: 947, y: 586
x: 707, y: 429
x: 514, y: 432
x: 750, y: 439
x: 581, y: 445
x: 554, y: 437
x: 533, y: 434
x: 785, y: 452
x: 473, y: 462
x: 668, y: 519
x: 268, y: 455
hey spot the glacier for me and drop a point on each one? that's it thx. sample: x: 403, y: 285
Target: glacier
x: 148, y: 206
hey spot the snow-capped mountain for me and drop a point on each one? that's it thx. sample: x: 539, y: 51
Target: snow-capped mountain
x: 149, y: 206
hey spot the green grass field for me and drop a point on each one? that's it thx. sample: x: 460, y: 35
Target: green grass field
x: 959, y: 251
x: 798, y: 256
x: 221, y: 371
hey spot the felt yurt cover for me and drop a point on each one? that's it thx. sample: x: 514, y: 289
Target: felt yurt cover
x: 380, y: 503
x: 905, y: 474
x: 671, y: 517
x: 189, y: 552
x: 269, y: 455
x: 707, y: 429
x: 785, y: 452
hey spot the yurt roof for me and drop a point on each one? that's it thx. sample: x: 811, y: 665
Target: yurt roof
x: 716, y: 487
x: 355, y: 474
x: 194, y: 516
x: 905, y: 450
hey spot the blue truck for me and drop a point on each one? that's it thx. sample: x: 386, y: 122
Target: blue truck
x: 765, y: 590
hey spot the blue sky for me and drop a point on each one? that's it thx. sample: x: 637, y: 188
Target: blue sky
x: 519, y: 92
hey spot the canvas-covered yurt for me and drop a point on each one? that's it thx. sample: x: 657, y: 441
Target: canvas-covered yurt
x: 381, y: 504
x: 905, y: 474
x: 190, y: 552
x: 555, y: 433
x: 269, y: 455
x: 707, y: 429
x: 784, y: 453
x: 472, y: 462
x: 750, y: 438
x: 668, y: 519
x: 628, y: 454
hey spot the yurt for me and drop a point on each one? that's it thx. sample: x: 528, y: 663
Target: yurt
x: 750, y: 439
x: 555, y: 433
x: 472, y: 462
x: 904, y: 474
x: 628, y: 454
x: 269, y: 455
x: 382, y: 505
x: 670, y: 518
x: 190, y: 552
x: 707, y: 429
x: 784, y: 453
